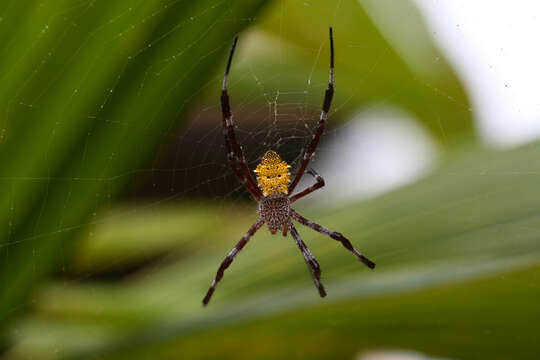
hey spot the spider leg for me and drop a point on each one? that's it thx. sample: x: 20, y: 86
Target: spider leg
x: 230, y: 257
x: 334, y: 235
x: 313, y: 265
x: 233, y: 149
x: 319, y: 184
x: 322, y: 121
x: 230, y: 158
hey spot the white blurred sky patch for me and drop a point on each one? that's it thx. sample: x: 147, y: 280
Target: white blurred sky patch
x: 380, y: 149
x: 493, y: 46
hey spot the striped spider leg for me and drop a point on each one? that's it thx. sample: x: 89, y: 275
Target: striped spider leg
x: 319, y: 184
x: 334, y: 235
x: 328, y: 95
x: 273, y: 188
x: 313, y: 265
x: 230, y: 257
x: 234, y: 151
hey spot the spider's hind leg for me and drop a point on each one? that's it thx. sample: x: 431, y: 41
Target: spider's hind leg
x: 334, y: 235
x: 230, y: 257
x: 313, y: 265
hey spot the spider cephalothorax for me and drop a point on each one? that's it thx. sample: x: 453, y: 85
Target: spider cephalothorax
x: 273, y: 188
x: 273, y: 174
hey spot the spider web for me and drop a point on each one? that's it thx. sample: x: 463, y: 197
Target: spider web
x: 190, y: 164
x: 279, y: 111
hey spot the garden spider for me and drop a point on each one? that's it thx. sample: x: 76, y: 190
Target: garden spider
x: 272, y: 188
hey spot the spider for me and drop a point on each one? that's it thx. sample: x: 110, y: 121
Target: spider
x: 273, y: 188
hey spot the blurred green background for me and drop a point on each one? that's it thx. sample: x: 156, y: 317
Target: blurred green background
x: 117, y: 204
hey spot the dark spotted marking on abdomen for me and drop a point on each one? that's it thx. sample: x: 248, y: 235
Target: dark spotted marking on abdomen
x: 275, y: 210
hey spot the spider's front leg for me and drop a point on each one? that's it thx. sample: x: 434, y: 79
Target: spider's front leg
x: 234, y: 151
x: 230, y: 257
x: 328, y: 95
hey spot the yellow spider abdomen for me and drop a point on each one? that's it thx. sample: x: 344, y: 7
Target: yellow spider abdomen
x: 273, y: 174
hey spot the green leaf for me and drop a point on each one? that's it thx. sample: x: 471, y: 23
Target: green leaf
x: 475, y: 216
x: 90, y: 90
